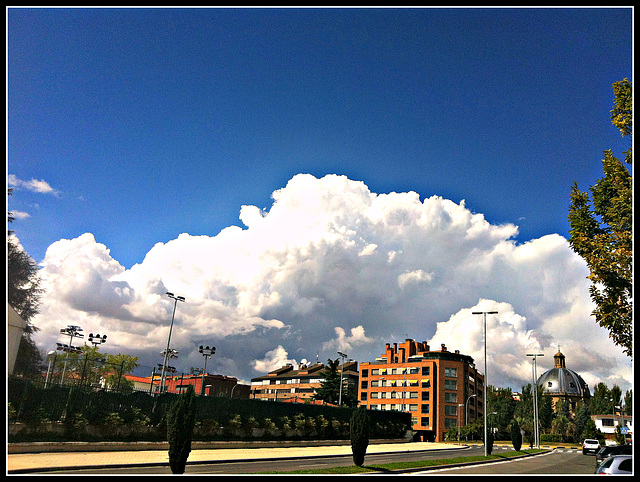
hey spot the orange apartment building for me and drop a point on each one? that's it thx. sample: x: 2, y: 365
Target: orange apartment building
x: 441, y: 389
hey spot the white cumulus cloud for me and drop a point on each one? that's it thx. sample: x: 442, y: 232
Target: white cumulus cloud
x: 328, y: 262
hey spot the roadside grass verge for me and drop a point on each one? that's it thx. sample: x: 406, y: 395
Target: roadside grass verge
x: 417, y: 464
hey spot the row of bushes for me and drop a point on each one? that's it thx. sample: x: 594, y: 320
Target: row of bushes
x: 77, y: 428
x: 79, y: 414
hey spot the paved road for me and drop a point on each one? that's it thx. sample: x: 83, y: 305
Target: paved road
x: 557, y: 462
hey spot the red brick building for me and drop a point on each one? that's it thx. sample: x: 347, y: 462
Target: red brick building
x: 441, y: 389
x: 214, y: 385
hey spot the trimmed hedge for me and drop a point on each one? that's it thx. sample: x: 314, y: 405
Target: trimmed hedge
x: 89, y: 415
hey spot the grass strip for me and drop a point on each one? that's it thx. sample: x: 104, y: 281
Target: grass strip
x: 417, y: 464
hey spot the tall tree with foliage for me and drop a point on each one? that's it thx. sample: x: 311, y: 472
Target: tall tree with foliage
x: 601, y: 231
x: 23, y: 293
x: 180, y: 423
x: 329, y: 389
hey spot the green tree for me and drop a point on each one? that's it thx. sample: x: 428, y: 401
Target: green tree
x: 180, y: 424
x: 329, y: 390
x: 583, y: 415
x: 592, y: 431
x: 600, y: 402
x: 117, y: 366
x: 628, y: 402
x: 24, y: 290
x: 601, y: 232
x: 359, y: 427
x: 545, y: 410
x: 500, y: 400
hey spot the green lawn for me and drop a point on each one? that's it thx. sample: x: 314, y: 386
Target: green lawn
x: 352, y: 469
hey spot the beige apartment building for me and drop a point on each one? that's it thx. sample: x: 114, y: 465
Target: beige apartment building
x: 299, y: 385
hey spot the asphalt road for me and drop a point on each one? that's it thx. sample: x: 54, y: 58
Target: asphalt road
x: 558, y: 462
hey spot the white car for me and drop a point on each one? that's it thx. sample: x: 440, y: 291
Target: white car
x: 590, y: 445
x: 616, y: 464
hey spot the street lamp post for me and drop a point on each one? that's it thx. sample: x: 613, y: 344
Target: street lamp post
x: 51, y: 356
x: 466, y: 408
x: 486, y: 375
x: 166, y: 353
x: 206, y: 352
x: 341, y: 370
x: 536, y: 428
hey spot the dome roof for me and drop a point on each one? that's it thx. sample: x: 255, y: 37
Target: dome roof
x: 562, y: 381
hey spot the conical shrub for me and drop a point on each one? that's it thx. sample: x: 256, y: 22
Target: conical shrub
x: 516, y: 435
x: 180, y: 423
x: 359, y: 427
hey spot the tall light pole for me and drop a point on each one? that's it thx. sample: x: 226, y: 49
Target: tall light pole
x: 206, y: 352
x: 166, y: 353
x: 484, y: 408
x: 341, y: 370
x: 534, y: 374
x: 71, y: 331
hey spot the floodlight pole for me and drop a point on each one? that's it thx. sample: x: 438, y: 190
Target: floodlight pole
x: 166, y: 353
x: 485, y: 313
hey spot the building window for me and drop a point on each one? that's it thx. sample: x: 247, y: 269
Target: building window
x: 450, y: 422
x: 450, y: 397
x: 451, y: 372
x: 450, y: 410
x: 424, y: 421
x: 424, y: 408
x: 426, y: 371
x: 450, y: 384
x: 425, y: 395
x: 365, y: 373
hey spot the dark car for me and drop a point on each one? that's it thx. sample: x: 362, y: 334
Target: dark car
x: 609, y: 450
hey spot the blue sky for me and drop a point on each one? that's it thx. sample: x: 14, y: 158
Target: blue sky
x: 153, y: 122
x: 149, y: 123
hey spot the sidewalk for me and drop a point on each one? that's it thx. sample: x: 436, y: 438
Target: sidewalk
x: 42, y: 461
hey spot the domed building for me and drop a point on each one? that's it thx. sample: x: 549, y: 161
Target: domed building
x: 560, y: 383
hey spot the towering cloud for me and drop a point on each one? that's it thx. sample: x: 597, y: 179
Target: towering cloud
x: 332, y: 266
